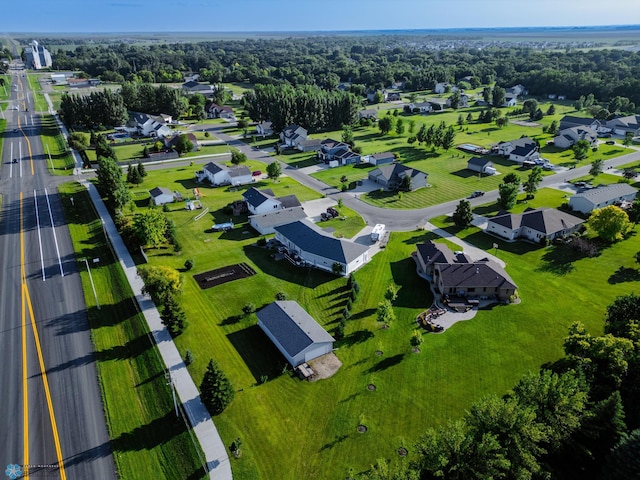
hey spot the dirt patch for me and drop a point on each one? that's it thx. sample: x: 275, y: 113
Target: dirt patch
x: 362, y: 428
x: 371, y: 387
x: 222, y: 275
x: 325, y: 366
x: 524, y: 123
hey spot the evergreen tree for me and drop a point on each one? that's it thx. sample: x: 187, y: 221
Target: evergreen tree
x: 141, y: 170
x: 173, y: 317
x: 463, y: 216
x: 216, y: 390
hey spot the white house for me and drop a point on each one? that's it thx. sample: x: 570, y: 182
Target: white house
x: 264, y: 201
x: 265, y: 223
x: 481, y: 165
x: 294, y: 332
x: 441, y: 87
x: 219, y: 175
x: 264, y: 128
x: 148, y: 125
x: 420, y: 107
x: 570, y: 136
x: 510, y: 100
x: 319, y: 249
x: 534, y: 224
x: 292, y: 135
x: 521, y: 150
x: 161, y: 195
x: 383, y: 158
x: 569, y: 121
x: 623, y: 125
x: 220, y: 111
x: 602, y: 196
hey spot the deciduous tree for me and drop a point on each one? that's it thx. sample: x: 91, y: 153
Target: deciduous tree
x: 609, y: 223
x: 274, y: 170
x: 463, y: 216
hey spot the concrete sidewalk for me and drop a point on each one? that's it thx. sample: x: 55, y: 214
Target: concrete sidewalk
x: 210, y: 442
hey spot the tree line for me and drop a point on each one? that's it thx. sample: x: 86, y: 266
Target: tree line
x: 365, y: 62
x: 314, y: 108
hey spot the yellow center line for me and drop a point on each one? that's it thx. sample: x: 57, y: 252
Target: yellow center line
x: 25, y: 391
x: 54, y: 427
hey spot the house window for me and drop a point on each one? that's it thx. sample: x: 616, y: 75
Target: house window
x: 471, y: 289
x: 484, y: 289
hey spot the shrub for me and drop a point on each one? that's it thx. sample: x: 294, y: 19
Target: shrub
x: 189, y: 264
x: 346, y: 313
x: 188, y: 357
x: 349, y: 304
x: 338, y: 333
x: 356, y: 286
x: 248, y: 309
x: 353, y: 295
x: 262, y: 242
x: 280, y: 296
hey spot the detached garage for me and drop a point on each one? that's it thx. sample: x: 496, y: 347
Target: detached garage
x: 161, y: 195
x: 294, y: 332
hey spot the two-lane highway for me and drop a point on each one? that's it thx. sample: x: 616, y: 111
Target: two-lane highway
x: 51, y: 411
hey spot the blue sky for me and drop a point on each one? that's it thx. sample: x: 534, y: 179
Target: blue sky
x: 304, y: 15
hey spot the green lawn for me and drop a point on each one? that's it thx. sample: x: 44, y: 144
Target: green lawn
x: 414, y: 391
x: 348, y: 224
x: 55, y: 145
x: 147, y: 440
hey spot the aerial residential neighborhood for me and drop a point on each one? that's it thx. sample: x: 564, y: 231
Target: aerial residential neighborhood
x: 358, y: 255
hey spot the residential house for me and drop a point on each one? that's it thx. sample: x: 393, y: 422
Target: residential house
x: 455, y: 274
x: 292, y: 135
x: 83, y: 82
x: 534, y: 224
x: 421, y: 107
x: 170, y: 143
x: 570, y: 136
x: 510, y: 100
x: 383, y: 158
x: 517, y: 90
x: 294, y: 332
x: 317, y: 248
x: 220, y: 111
x: 624, y: 125
x: 392, y: 97
x: 521, y: 150
x: 569, y: 121
x: 334, y: 151
x: 438, y: 104
x: 264, y: 128
x: 161, y: 195
x: 265, y: 201
x: 147, y: 125
x: 428, y: 254
x: 370, y: 113
x: 219, y: 175
x: 483, y: 279
x: 464, y: 101
x: 309, y: 145
x: 602, y: 196
x: 444, y: 87
x: 265, y: 223
x: 481, y: 165
x: 197, y: 87
x: 392, y: 176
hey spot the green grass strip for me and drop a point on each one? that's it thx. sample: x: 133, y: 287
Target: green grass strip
x: 55, y: 145
x: 147, y: 439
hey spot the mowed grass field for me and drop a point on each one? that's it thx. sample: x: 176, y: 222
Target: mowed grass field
x: 55, y: 145
x: 448, y: 177
x: 292, y: 429
x: 147, y: 439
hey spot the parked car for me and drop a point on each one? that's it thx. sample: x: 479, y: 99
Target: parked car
x: 256, y: 173
x: 610, y: 142
x: 477, y: 193
x: 324, y: 217
x: 333, y: 212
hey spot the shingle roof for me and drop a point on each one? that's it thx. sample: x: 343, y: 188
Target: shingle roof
x: 478, y: 161
x: 239, y: 171
x: 289, y: 201
x: 606, y: 193
x: 309, y: 238
x: 544, y: 220
x: 479, y: 274
x: 523, y: 146
x: 575, y: 121
x: 279, y: 217
x: 435, y: 253
x: 156, y: 192
x: 256, y: 197
x: 213, y: 168
x: 294, y: 328
x: 394, y: 171
x: 380, y: 156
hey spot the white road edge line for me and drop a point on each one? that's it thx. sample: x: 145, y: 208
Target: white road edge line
x: 55, y: 238
x: 11, y: 162
x: 35, y: 201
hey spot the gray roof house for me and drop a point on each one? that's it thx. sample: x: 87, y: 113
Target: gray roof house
x: 533, y: 224
x: 569, y: 121
x: 292, y: 135
x: 391, y: 176
x: 196, y: 87
x: 481, y: 165
x: 319, y: 249
x: 161, y: 195
x: 570, y: 136
x: 622, y: 125
x: 383, y: 158
x: 602, y: 196
x: 218, y: 175
x: 264, y: 201
x: 265, y: 223
x: 478, y: 279
x: 521, y: 150
x: 430, y: 253
x: 294, y: 332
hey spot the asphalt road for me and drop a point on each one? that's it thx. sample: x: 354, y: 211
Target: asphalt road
x: 51, y: 414
x: 402, y: 220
